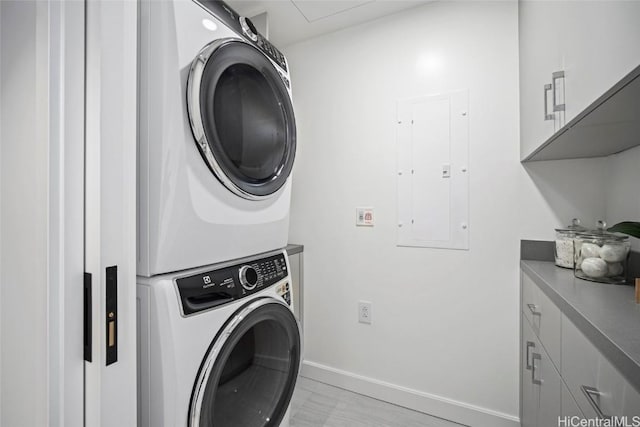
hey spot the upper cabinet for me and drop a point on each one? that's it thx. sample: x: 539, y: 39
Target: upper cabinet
x: 571, y: 53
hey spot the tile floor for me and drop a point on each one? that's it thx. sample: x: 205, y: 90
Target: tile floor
x: 316, y: 404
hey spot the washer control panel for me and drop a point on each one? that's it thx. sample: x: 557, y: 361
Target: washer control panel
x: 223, y: 285
x: 271, y: 51
x: 243, y: 27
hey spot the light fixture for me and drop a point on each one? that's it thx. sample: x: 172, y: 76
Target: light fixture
x: 209, y: 24
x: 431, y: 63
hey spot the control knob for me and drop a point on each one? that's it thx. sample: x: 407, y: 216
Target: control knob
x: 248, y: 277
x: 248, y: 28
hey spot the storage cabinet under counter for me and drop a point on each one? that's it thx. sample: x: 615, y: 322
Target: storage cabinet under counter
x: 575, y: 361
x: 543, y: 316
x: 599, y: 389
x: 541, y: 384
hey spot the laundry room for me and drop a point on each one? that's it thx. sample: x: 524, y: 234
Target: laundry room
x: 319, y: 213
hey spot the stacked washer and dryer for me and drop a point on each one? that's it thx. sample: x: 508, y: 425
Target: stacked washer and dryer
x: 218, y: 343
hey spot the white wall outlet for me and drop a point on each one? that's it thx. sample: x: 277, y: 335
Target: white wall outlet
x: 364, y: 217
x: 364, y: 312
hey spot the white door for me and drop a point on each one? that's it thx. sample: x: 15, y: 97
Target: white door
x: 110, y: 209
x: 60, y: 142
x: 41, y: 213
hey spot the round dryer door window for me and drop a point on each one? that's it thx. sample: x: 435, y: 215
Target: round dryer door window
x: 242, y: 118
x: 249, y: 373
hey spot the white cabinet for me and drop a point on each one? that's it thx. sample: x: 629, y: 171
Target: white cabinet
x: 528, y: 395
x: 595, y: 44
x: 598, y: 388
x: 540, y: 349
x: 562, y: 374
x: 549, y: 384
x: 540, y: 56
x: 544, y: 317
x: 569, y: 405
x: 600, y: 46
x: 541, y: 384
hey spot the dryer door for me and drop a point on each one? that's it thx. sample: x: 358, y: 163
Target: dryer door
x: 242, y: 118
x: 250, y: 370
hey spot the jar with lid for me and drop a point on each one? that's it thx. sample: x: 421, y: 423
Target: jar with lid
x: 601, y: 256
x: 564, y: 243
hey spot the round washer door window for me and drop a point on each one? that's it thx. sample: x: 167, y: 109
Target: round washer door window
x: 249, y: 373
x: 242, y: 118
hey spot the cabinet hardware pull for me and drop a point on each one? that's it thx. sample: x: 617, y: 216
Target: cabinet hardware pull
x: 554, y: 77
x: 547, y: 88
x: 534, y: 309
x: 529, y: 346
x: 535, y: 356
x: 593, y: 396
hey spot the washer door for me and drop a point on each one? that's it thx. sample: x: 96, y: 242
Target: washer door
x: 242, y: 118
x: 250, y: 370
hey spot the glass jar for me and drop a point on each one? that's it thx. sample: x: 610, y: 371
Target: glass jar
x: 564, y: 243
x: 601, y: 256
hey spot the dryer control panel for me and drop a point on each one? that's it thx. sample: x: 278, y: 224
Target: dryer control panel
x: 243, y: 27
x: 223, y: 285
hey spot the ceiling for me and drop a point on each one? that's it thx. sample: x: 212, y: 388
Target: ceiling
x: 292, y: 21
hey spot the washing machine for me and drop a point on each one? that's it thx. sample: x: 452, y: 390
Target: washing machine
x: 218, y: 346
x: 217, y: 137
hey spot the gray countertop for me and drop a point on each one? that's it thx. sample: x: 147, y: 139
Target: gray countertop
x: 293, y: 249
x: 606, y: 314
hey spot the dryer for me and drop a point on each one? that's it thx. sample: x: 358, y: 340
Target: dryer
x: 217, y: 137
x: 218, y: 346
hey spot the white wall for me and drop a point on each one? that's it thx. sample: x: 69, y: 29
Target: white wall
x: 0, y: 214
x: 444, y: 322
x: 444, y: 337
x: 552, y: 193
x: 23, y: 214
x: 622, y: 195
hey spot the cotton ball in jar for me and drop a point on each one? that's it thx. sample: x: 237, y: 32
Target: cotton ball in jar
x: 590, y: 250
x: 564, y: 253
x: 613, y: 253
x: 615, y: 269
x: 594, y: 267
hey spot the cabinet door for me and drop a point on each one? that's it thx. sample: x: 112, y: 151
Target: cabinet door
x: 540, y: 56
x: 600, y: 46
x: 549, y: 385
x: 631, y: 401
x: 529, y: 393
x: 544, y: 317
x: 598, y: 387
x: 569, y: 405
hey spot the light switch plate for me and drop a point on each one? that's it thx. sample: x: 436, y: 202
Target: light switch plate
x: 364, y: 217
x: 446, y: 170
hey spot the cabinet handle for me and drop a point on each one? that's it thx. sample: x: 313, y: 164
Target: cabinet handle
x: 554, y: 77
x: 593, y: 396
x: 529, y: 346
x: 547, y: 88
x: 534, y: 309
x: 535, y: 356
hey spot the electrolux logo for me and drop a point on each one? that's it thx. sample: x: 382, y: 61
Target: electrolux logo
x: 207, y: 282
x: 576, y: 421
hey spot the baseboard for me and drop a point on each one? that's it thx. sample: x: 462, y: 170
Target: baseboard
x: 438, y: 406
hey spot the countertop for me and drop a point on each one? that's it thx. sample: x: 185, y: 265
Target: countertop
x: 293, y: 249
x: 606, y: 314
